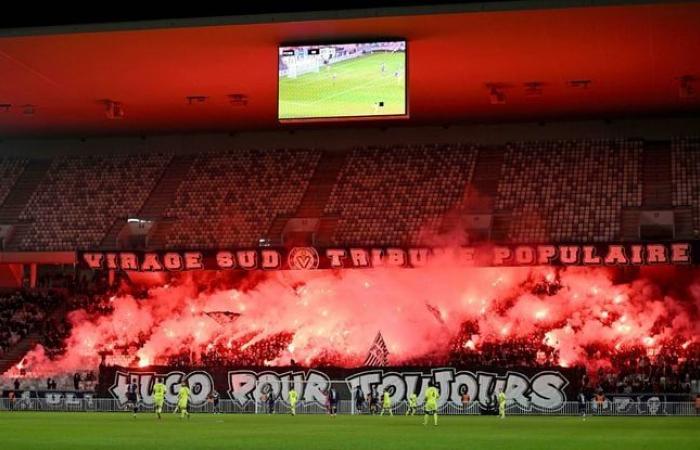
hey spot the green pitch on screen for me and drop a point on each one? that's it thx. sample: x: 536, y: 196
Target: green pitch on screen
x: 120, y: 431
x: 355, y: 87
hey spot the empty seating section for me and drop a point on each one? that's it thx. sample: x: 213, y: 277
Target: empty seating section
x: 80, y: 198
x: 569, y: 190
x: 556, y: 191
x: 685, y: 175
x: 397, y: 195
x: 232, y: 198
x: 10, y: 170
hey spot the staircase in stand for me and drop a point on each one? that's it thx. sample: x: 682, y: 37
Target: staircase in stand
x: 321, y: 185
x: 163, y: 195
x: 313, y: 203
x: 479, y: 194
x: 482, y: 190
x: 156, y: 205
x: 110, y: 239
x: 657, y: 191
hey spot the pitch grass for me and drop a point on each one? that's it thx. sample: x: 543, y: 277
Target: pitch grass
x: 359, y: 83
x: 75, y: 431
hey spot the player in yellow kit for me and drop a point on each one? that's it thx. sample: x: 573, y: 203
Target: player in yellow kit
x: 183, y: 398
x: 386, y: 404
x: 430, y: 407
x: 293, y: 397
x: 502, y: 404
x: 158, y: 396
x: 412, y: 404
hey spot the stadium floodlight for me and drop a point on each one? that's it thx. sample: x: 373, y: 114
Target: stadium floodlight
x: 192, y: 99
x: 28, y: 110
x: 580, y: 84
x: 496, y: 95
x: 114, y: 110
x: 686, y: 88
x: 533, y: 88
x: 238, y: 99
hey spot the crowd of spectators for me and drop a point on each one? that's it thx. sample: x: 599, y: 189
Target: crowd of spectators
x: 673, y: 366
x: 21, y: 313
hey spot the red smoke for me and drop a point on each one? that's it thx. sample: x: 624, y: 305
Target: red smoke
x: 588, y: 315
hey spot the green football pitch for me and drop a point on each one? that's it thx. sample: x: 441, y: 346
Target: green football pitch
x: 353, y: 87
x: 57, y: 431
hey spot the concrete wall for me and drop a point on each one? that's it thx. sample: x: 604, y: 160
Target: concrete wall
x: 345, y: 137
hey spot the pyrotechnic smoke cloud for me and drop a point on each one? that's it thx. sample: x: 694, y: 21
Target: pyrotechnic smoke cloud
x: 418, y: 311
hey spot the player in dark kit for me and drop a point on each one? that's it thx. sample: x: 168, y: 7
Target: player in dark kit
x: 359, y: 400
x: 373, y: 401
x: 582, y: 404
x: 271, y: 402
x: 132, y: 397
x: 333, y: 402
x: 214, y: 399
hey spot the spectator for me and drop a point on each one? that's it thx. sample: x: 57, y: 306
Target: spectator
x: 599, y: 402
x: 271, y: 402
x: 465, y: 399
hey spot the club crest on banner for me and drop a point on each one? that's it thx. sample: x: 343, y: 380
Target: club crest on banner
x: 303, y: 258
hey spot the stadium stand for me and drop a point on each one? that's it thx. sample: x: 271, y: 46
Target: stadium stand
x: 569, y: 190
x: 20, y: 313
x: 232, y: 198
x: 422, y: 181
x: 685, y: 172
x: 81, y: 197
x: 10, y: 170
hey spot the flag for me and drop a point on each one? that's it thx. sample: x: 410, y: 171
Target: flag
x: 223, y: 317
x: 436, y: 313
x: 378, y: 353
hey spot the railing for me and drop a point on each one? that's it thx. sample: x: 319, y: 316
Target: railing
x: 348, y: 407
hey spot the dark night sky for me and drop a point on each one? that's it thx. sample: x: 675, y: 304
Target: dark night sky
x: 33, y: 15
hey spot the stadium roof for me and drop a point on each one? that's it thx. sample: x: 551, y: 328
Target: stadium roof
x: 634, y: 58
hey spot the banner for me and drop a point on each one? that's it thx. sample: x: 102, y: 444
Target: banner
x: 643, y: 404
x: 526, y: 389
x: 23, y: 399
x: 311, y: 258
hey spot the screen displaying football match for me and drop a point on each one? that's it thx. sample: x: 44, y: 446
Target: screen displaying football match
x: 342, y: 80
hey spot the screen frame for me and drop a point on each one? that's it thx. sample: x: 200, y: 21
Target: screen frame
x: 362, y: 40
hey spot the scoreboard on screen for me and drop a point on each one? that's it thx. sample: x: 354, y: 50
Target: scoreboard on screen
x: 348, y: 80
